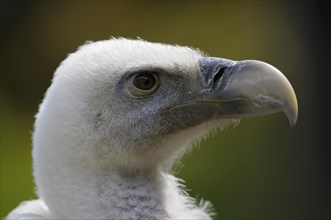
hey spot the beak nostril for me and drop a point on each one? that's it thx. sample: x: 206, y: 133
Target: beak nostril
x: 215, y: 71
x: 218, y: 76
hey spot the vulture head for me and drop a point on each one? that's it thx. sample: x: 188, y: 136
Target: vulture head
x: 120, y: 108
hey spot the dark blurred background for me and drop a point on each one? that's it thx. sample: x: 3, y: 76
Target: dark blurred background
x: 262, y: 169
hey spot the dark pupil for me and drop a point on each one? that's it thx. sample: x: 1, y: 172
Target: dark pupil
x: 144, y: 81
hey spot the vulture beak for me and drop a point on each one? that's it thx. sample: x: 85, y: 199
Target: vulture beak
x: 245, y: 88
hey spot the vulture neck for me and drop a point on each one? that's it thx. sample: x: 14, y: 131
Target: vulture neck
x: 128, y: 195
x: 76, y: 188
x: 79, y: 193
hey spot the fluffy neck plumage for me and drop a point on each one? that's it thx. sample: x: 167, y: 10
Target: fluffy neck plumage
x: 79, y: 193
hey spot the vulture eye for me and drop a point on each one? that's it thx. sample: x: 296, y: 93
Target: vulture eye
x: 144, y: 81
x: 143, y: 84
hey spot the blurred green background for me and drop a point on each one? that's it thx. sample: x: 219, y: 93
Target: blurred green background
x: 262, y: 169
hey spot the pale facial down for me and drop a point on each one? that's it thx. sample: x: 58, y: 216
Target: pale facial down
x: 128, y: 95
